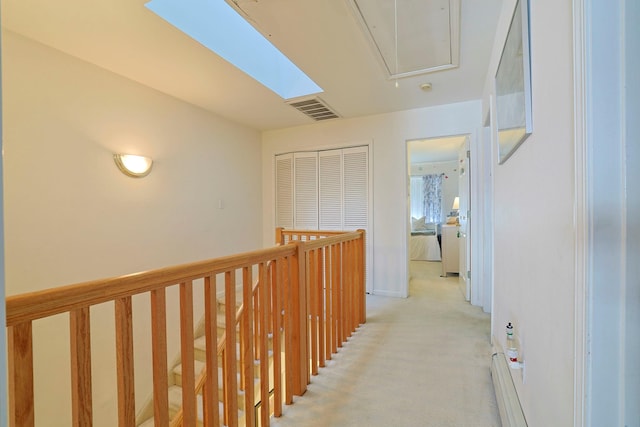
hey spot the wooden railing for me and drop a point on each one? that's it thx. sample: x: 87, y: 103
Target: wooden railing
x: 335, y: 282
x: 307, y: 299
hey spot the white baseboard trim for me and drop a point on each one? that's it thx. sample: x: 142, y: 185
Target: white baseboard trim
x: 382, y: 293
x: 511, y: 413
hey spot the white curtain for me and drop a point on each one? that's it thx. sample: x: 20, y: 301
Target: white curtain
x: 417, y: 198
x: 426, y: 197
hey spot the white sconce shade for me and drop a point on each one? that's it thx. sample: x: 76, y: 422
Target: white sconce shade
x: 132, y: 165
x: 456, y: 203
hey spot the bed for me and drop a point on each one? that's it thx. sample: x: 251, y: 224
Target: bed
x: 424, y: 245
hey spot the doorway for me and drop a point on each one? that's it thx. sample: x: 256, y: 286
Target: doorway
x: 433, y: 206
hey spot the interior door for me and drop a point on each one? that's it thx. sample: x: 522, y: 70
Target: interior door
x: 464, y: 212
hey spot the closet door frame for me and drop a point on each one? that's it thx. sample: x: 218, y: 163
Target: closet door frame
x: 369, y: 229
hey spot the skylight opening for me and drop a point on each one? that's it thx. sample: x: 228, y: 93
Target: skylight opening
x: 218, y: 27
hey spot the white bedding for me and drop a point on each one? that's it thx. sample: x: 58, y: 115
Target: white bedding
x: 424, y: 248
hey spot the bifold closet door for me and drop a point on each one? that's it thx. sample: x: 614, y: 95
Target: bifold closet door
x: 330, y: 190
x: 305, y: 191
x: 284, y: 191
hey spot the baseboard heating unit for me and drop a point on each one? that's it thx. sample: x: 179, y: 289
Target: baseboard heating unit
x: 511, y: 413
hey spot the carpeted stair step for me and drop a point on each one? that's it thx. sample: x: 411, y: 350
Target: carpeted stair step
x: 200, y: 352
x: 199, y: 366
x: 175, y: 403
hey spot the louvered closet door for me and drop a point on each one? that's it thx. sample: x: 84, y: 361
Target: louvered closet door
x: 355, y: 164
x: 305, y: 195
x: 284, y: 191
x: 330, y: 182
x: 356, y: 188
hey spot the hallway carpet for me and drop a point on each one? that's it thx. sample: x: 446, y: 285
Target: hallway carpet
x: 420, y: 361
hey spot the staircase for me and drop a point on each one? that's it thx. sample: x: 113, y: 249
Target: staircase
x: 309, y: 291
x: 175, y: 377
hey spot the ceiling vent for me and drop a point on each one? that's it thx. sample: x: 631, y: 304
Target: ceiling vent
x: 315, y: 108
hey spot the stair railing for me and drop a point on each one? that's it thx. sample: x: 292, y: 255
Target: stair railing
x: 309, y: 293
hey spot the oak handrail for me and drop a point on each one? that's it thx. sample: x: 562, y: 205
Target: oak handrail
x: 48, y: 302
x: 302, y: 291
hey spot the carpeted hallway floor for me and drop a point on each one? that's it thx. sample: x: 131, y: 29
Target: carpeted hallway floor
x: 420, y: 361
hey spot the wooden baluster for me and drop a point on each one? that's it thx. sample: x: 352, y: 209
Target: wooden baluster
x: 225, y: 386
x: 264, y: 350
x: 347, y: 288
x: 335, y: 296
x: 288, y: 327
x: 348, y: 285
x: 276, y: 284
x: 20, y: 352
x: 340, y: 294
x: 80, y: 339
x: 124, y: 362
x: 311, y: 292
x: 256, y: 323
x: 352, y: 288
x: 351, y: 305
x: 327, y: 302
x: 210, y: 393
x: 320, y: 305
x: 231, y: 367
x: 246, y: 335
x: 159, y: 357
x: 187, y: 354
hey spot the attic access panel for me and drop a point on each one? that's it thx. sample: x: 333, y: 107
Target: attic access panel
x: 411, y: 37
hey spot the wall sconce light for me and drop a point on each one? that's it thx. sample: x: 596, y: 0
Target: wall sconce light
x: 132, y: 165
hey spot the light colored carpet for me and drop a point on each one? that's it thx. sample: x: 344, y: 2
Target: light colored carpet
x: 420, y: 361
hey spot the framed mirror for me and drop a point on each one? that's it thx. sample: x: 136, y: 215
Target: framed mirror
x: 513, y: 85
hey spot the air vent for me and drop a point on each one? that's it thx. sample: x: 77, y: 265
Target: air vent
x: 315, y: 108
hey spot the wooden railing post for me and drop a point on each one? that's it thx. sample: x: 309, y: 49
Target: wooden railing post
x: 21, y: 412
x: 362, y: 262
x: 299, y: 316
x: 279, y: 236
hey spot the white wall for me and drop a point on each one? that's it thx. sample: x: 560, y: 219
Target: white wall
x: 388, y: 134
x: 534, y: 229
x: 71, y: 216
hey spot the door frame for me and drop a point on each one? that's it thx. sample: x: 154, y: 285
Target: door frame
x: 604, y: 387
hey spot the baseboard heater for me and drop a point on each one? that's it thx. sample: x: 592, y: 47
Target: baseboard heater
x: 511, y: 413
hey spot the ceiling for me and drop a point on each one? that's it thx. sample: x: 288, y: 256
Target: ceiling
x: 323, y: 38
x: 436, y: 149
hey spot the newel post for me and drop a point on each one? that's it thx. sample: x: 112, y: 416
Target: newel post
x: 299, y: 316
x: 362, y: 273
x: 279, y: 236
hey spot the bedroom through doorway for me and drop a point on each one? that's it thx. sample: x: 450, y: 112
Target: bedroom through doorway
x: 433, y: 204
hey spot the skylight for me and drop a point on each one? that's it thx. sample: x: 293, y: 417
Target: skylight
x: 217, y: 26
